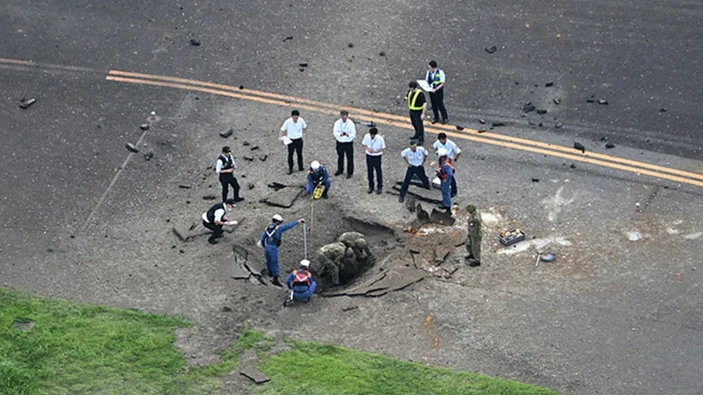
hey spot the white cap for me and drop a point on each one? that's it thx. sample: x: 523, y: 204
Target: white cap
x: 277, y: 217
x: 442, y: 152
x: 315, y: 165
x: 305, y: 263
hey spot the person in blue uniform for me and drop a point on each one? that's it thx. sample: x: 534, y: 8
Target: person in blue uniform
x: 270, y: 240
x: 318, y: 174
x: 301, y: 283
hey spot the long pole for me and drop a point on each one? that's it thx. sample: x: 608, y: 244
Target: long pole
x: 305, y: 238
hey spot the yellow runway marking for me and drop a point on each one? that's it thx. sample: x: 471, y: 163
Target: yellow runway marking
x: 390, y: 120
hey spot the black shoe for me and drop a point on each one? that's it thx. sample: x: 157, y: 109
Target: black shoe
x: 434, y: 121
x: 474, y: 263
x: 370, y: 190
x: 300, y: 168
x: 349, y: 176
x: 421, y: 142
x: 445, y: 121
x: 212, y: 241
x: 379, y: 191
x: 238, y: 199
x: 324, y: 196
x: 290, y: 171
x: 338, y: 172
x: 401, y: 199
x: 218, y: 236
x: 454, y: 194
x: 275, y: 281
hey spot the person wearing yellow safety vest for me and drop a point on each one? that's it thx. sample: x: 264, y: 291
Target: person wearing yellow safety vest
x: 416, y: 104
x: 436, y: 79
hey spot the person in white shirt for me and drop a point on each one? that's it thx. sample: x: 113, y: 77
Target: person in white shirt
x: 374, y: 150
x: 415, y: 157
x: 294, y: 127
x: 216, y: 217
x: 345, y: 133
x: 225, y: 167
x: 436, y: 78
x: 453, y: 153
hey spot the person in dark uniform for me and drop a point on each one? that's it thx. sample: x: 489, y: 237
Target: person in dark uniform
x: 437, y: 80
x: 416, y: 105
x: 473, y: 238
x: 216, y: 217
x: 225, y: 168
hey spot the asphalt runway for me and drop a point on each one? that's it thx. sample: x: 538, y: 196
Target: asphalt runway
x: 63, y: 157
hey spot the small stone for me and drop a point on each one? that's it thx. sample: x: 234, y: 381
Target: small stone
x: 148, y: 156
x: 183, y: 186
x: 209, y: 197
x: 558, y: 125
x: 227, y: 133
x: 248, y: 157
x: 603, y: 138
x: 144, y: 126
x: 381, y: 53
x: 303, y: 64
x: 557, y: 101
x: 250, y: 186
x: 497, y: 124
x: 481, y: 131
x: 579, y: 147
x: 549, y: 84
x: 245, y: 143
x: 26, y: 103
x: 131, y: 148
x: 194, y: 42
x: 226, y: 309
x: 609, y: 145
x: 590, y: 100
x: 181, y: 251
x: 535, y: 179
x: 482, y: 121
x: 603, y: 102
x: 662, y: 110
x: 288, y: 38
x: 528, y: 107
x: 459, y: 127
x: 350, y: 45
x: 301, y: 69
x: 573, y: 166
x: 540, y: 124
x: 491, y: 49
x: 541, y: 111
x: 263, y: 157
x: 187, y: 201
x: 241, y: 87
x: 254, y: 148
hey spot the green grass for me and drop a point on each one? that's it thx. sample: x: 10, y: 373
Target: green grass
x: 83, y: 349
x: 319, y: 369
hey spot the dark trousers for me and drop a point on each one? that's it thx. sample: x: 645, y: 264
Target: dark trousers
x: 416, y: 119
x: 453, y: 187
x: 297, y: 146
x: 413, y: 170
x: 348, y: 150
x: 226, y: 180
x: 216, y: 230
x: 374, y: 163
x: 437, y: 100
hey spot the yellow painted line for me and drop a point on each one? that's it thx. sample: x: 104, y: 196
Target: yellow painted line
x: 466, y: 131
x: 404, y: 125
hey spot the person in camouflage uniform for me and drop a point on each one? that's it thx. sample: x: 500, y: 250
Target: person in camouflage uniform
x: 473, y: 239
x: 328, y: 259
x: 357, y: 243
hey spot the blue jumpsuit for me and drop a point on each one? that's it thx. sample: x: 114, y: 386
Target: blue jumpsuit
x: 300, y: 291
x: 271, y: 239
x: 322, y: 176
x: 447, y: 175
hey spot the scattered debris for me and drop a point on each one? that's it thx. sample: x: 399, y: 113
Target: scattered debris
x: 131, y: 148
x: 26, y: 103
x: 603, y: 102
x: 535, y: 179
x: 541, y: 111
x: 288, y: 38
x: 263, y: 157
x: 528, y: 107
x: 573, y: 166
x: 481, y: 131
x: 209, y: 197
x: 226, y: 309
x: 144, y: 126
x: 350, y: 308
x: 248, y: 157
x: 548, y: 257
x: 227, y: 133
x: 148, y: 156
x: 245, y: 143
x: 609, y: 145
x: 549, y: 84
x: 557, y: 101
x: 254, y: 375
x: 459, y: 127
x: 579, y: 147
x: 250, y: 186
x: 350, y: 45
x: 254, y: 148
x: 303, y: 64
x: 558, y: 125
x: 591, y: 99
x: 662, y: 110
x: 381, y: 53
x: 482, y: 121
x: 497, y: 124
x: 492, y: 49
x: 184, y: 186
x: 194, y: 42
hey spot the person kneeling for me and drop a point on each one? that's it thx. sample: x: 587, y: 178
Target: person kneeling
x: 301, y: 283
x: 318, y: 175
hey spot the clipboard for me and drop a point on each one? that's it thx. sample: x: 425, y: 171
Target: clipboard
x: 286, y: 140
x: 424, y: 85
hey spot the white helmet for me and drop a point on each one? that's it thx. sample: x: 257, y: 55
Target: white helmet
x: 305, y: 263
x: 315, y: 165
x: 442, y: 152
x: 277, y: 218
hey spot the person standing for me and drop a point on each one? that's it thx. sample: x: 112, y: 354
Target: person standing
x: 453, y: 153
x: 294, y: 127
x: 225, y: 168
x: 216, y: 217
x: 436, y: 79
x: 318, y: 175
x: 345, y: 133
x: 415, y: 157
x: 416, y: 105
x: 374, y: 151
x: 473, y: 238
x: 445, y: 173
x: 270, y: 240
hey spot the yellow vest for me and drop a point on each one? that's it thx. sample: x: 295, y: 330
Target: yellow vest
x: 412, y: 98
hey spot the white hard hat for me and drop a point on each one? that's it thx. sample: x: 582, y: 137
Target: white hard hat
x: 305, y: 263
x: 277, y: 217
x: 442, y: 152
x: 315, y: 165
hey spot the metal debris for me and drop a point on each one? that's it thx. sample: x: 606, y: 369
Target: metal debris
x: 492, y: 49
x: 26, y: 103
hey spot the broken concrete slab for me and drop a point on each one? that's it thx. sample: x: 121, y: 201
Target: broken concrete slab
x: 441, y: 253
x: 397, y: 279
x: 442, y: 217
x: 418, y: 193
x: 227, y: 133
x: 284, y: 198
x: 276, y: 186
x: 237, y: 271
x: 254, y: 375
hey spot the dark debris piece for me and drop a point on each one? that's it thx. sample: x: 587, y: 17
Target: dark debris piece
x: 254, y: 148
x: 557, y: 101
x: 26, y: 103
x: 541, y: 111
x: 209, y: 197
x: 288, y: 38
x: 497, y: 124
x: 609, y: 145
x: 491, y: 49
x: 549, y: 84
x: 579, y: 147
x: 603, y: 102
x: 131, y: 148
x: 535, y: 179
x: 227, y: 133
x: 194, y: 42
x: 148, y: 156
x: 381, y: 53
x: 482, y: 121
x: 459, y: 127
x: 303, y: 64
x: 245, y: 143
x: 528, y: 107
x: 558, y: 125
x: 144, y: 126
x: 248, y: 157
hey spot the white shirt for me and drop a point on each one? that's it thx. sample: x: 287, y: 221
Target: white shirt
x: 219, y: 213
x: 372, y: 145
x: 442, y: 77
x: 415, y: 158
x: 347, y: 127
x: 294, y: 130
x: 220, y: 165
x: 450, y: 146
